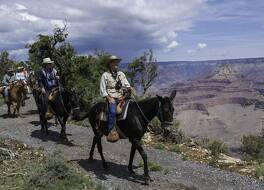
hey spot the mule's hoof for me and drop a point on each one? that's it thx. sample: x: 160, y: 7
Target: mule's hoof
x: 147, y: 180
x: 63, y: 136
x: 132, y: 173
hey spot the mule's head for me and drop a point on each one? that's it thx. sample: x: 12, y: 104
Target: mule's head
x: 165, y: 113
x: 75, y: 105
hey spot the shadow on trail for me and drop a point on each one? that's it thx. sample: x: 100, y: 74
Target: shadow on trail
x: 116, y: 170
x: 6, y: 116
x: 31, y: 112
x: 37, y: 123
x: 52, y: 136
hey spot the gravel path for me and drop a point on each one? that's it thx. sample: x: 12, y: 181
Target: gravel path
x: 176, y: 173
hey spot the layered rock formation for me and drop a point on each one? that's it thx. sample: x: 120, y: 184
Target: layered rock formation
x: 225, y: 105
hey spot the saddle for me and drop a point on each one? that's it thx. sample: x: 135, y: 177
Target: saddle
x: 53, y: 94
x: 116, y: 133
x: 102, y: 116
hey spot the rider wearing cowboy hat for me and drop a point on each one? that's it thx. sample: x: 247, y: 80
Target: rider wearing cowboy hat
x: 7, y: 80
x: 111, y: 85
x: 48, y: 80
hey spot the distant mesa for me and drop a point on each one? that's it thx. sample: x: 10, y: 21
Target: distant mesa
x: 225, y: 71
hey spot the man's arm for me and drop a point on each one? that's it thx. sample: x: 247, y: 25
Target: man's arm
x: 103, y: 91
x: 5, y: 81
x: 124, y: 80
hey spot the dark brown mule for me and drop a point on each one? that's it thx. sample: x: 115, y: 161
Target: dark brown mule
x: 16, y: 96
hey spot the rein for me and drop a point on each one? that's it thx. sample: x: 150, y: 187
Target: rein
x: 76, y: 108
x: 159, y: 114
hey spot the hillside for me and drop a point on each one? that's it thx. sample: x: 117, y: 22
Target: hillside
x: 179, y: 71
x: 225, y: 104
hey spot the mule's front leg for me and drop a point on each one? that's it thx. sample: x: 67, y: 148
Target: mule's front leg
x: 131, y: 158
x: 145, y: 160
x: 100, y: 150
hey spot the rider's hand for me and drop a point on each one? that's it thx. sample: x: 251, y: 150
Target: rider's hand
x: 110, y: 99
x: 43, y: 90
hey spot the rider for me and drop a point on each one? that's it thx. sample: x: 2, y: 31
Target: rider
x: 8, y: 79
x: 111, y: 85
x: 20, y: 75
x: 48, y: 81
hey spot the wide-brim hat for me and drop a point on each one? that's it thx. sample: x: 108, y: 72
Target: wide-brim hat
x: 19, y: 68
x: 10, y: 70
x: 113, y: 58
x: 47, y: 60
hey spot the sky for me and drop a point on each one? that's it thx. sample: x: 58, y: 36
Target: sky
x: 174, y: 29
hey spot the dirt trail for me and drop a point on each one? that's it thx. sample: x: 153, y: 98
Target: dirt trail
x: 176, y: 173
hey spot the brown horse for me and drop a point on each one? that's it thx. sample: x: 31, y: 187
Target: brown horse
x: 16, y: 97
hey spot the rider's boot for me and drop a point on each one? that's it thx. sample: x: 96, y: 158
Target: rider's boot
x: 49, y: 114
x: 112, y: 136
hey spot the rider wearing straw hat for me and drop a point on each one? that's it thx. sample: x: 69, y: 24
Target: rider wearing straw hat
x: 111, y: 85
x: 48, y: 80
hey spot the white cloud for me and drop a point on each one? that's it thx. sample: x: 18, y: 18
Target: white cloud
x: 201, y: 45
x: 172, y: 45
x: 28, y: 17
x: 124, y: 27
x: 20, y: 7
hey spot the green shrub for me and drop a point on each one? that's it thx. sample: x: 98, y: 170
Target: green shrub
x: 203, y: 142
x: 218, y: 147
x: 152, y: 166
x: 175, y: 148
x: 253, y: 146
x: 260, y: 171
x: 156, y: 126
x: 159, y: 146
x: 55, y: 174
x: 215, y: 146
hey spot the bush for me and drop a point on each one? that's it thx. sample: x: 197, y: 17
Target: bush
x: 260, y: 171
x: 218, y: 147
x: 175, y: 148
x: 56, y: 174
x: 253, y: 146
x: 159, y: 146
x: 174, y: 134
x: 215, y: 146
x: 156, y: 128
x: 152, y: 166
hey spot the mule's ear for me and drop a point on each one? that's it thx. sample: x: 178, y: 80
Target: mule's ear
x: 173, y: 94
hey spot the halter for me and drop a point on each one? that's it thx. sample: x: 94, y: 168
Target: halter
x: 160, y: 115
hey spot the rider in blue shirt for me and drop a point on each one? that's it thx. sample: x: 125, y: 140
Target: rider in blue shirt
x: 48, y: 80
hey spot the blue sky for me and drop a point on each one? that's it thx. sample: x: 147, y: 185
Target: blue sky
x: 174, y: 29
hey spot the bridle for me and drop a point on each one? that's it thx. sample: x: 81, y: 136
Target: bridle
x: 160, y: 116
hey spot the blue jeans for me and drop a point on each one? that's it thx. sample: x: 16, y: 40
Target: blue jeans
x: 111, y: 116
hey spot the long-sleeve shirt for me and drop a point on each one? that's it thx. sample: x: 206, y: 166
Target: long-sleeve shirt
x: 7, y: 79
x: 108, y: 83
x: 20, y: 76
x: 48, y: 79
